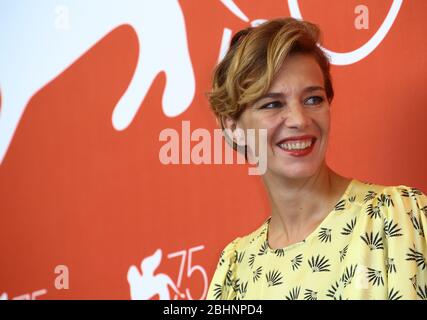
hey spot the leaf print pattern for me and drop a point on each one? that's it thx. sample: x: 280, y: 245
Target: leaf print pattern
x: 293, y: 294
x: 422, y: 292
x: 411, y: 192
x: 251, y: 260
x: 373, y: 211
x: 257, y: 274
x: 394, y: 295
x: 319, y: 264
x: 417, y: 257
x: 264, y: 248
x: 360, y: 246
x: 333, y: 292
x: 390, y: 265
x: 343, y: 253
x: 279, y: 252
x: 373, y: 242
x: 242, y: 289
x: 391, y: 230
x: 325, y: 235
x: 348, y: 229
x: 375, y: 277
x: 348, y: 275
x: 296, y: 262
x: 221, y: 258
x: 228, y: 278
x: 352, y: 199
x: 217, y: 291
x: 236, y: 285
x: 416, y: 223
x: 310, y: 294
x: 369, y: 196
x: 385, y: 200
x: 414, y: 281
x: 238, y: 256
x: 274, y: 278
x: 340, y: 205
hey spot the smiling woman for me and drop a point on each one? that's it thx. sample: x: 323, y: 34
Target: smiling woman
x: 328, y: 236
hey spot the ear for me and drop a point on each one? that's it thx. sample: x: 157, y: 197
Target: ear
x: 233, y: 132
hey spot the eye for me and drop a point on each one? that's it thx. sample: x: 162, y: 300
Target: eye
x: 315, y: 100
x: 271, y: 105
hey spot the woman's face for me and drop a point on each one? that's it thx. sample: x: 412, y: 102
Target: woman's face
x: 295, y: 113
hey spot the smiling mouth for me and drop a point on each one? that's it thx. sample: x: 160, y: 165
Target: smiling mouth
x: 297, y: 144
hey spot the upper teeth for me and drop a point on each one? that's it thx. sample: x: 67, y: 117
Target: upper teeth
x: 296, y: 145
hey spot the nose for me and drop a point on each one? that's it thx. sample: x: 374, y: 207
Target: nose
x: 295, y: 116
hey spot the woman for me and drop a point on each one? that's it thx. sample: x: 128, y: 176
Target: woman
x: 328, y: 237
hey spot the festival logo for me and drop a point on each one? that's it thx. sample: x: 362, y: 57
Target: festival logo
x: 337, y: 58
x: 145, y: 283
x: 44, y: 39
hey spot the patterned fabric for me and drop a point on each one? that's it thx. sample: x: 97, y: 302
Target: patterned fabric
x: 371, y: 246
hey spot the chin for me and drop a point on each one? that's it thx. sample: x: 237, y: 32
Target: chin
x: 300, y: 174
x: 296, y: 171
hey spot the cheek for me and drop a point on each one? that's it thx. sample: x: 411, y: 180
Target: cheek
x: 323, y: 122
x: 326, y: 126
x: 259, y: 133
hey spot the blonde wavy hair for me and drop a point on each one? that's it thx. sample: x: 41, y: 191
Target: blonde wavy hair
x: 254, y: 58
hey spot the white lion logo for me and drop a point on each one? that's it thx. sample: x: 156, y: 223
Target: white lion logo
x: 40, y: 39
x: 146, y: 284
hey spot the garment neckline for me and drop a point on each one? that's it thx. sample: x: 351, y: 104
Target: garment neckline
x: 314, y: 232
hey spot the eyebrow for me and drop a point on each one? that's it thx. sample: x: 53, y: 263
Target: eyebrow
x: 276, y: 95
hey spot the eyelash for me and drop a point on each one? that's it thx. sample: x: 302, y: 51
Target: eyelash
x: 319, y: 99
x: 278, y: 103
x: 271, y: 103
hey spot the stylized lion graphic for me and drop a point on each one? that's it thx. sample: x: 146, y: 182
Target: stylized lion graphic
x: 40, y: 39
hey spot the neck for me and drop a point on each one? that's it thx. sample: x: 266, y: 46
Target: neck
x: 299, y: 205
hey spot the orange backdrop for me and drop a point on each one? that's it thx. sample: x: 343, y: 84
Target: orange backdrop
x: 76, y: 192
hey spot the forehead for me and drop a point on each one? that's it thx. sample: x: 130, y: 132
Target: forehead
x: 298, y: 71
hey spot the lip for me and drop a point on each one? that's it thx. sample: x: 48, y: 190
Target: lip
x: 304, y: 137
x: 298, y: 153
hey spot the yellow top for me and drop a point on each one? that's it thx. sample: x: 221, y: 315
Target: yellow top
x: 371, y: 246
